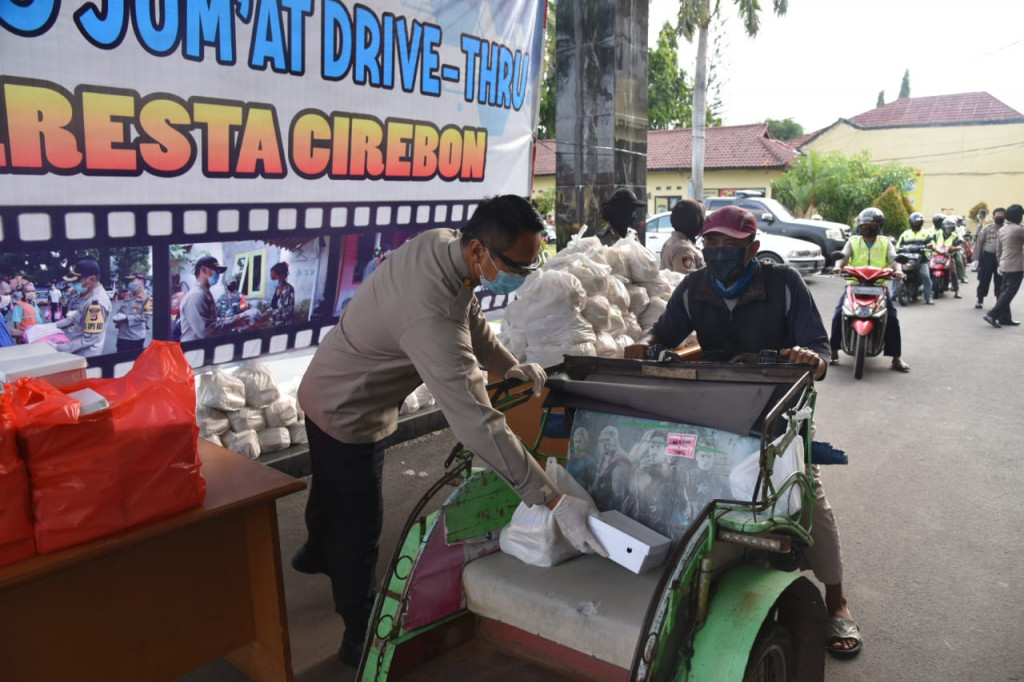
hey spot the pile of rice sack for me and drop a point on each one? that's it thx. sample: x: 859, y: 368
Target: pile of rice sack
x: 588, y: 299
x: 247, y: 412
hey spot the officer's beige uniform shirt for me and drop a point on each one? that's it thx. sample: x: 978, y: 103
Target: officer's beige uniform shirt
x: 679, y: 254
x: 417, y: 318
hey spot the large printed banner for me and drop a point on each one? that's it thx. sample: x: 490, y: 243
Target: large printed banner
x: 315, y: 133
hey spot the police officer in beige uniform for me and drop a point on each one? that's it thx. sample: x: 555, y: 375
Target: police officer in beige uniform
x: 680, y: 253
x: 417, y: 320
x: 136, y: 313
x: 86, y: 323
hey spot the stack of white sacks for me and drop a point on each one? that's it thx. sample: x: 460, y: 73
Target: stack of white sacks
x: 589, y: 299
x: 247, y: 412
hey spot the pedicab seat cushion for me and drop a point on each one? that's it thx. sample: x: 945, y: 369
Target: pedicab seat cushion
x: 588, y: 604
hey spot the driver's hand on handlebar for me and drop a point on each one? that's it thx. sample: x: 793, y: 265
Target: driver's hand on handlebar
x: 899, y: 276
x: 837, y: 270
x: 637, y: 351
x: 798, y: 355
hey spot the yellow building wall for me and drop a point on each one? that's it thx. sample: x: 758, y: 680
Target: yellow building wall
x: 959, y: 165
x: 663, y: 186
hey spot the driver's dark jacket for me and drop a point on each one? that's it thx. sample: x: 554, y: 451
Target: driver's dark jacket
x: 775, y: 311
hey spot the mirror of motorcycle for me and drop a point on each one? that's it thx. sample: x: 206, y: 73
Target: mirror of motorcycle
x: 836, y: 255
x: 767, y: 217
x: 902, y: 259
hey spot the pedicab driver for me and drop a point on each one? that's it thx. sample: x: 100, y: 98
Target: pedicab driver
x: 738, y: 305
x: 417, y: 319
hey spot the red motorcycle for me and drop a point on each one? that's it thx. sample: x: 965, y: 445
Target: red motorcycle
x: 942, y: 269
x: 865, y: 314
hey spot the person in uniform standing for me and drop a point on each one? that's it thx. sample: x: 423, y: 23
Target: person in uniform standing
x: 86, y: 322
x: 135, y: 315
x: 198, y: 316
x: 622, y: 211
x: 417, y: 320
x: 680, y: 253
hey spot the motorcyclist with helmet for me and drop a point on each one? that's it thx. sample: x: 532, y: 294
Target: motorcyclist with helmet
x: 948, y: 237
x: 869, y: 248
x: 915, y: 235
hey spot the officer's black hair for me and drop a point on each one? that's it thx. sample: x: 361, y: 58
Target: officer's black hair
x: 1015, y: 213
x: 500, y: 220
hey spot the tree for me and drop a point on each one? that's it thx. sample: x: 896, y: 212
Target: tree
x: 905, y: 85
x: 881, y: 99
x: 837, y: 186
x: 694, y: 18
x: 896, y: 216
x: 669, y: 93
x: 784, y: 130
x: 546, y: 120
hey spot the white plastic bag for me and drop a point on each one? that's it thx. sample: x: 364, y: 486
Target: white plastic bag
x: 533, y: 536
x: 653, y: 313
x: 638, y: 298
x: 595, y: 311
x: 213, y: 438
x: 605, y: 345
x: 410, y: 404
x: 260, y: 384
x: 220, y: 391
x: 247, y: 419
x: 632, y: 325
x: 658, y: 288
x: 641, y: 263
x: 743, y: 476
x: 281, y: 412
x: 425, y: 397
x: 297, y: 433
x: 274, y: 439
x: 211, y: 422
x: 618, y: 296
x: 246, y: 443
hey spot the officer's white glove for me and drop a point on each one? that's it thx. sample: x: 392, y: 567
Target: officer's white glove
x: 529, y: 371
x: 571, y: 516
x: 120, y: 317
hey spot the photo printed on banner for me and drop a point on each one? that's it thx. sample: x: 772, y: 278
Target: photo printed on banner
x: 87, y: 302
x: 221, y: 288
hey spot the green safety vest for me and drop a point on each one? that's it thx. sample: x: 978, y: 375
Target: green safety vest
x: 921, y: 236
x: 876, y: 255
x: 941, y: 240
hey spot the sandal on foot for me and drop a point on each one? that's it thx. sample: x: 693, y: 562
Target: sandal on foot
x: 840, y: 629
x: 900, y: 366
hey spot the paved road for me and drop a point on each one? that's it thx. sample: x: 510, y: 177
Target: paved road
x: 929, y: 507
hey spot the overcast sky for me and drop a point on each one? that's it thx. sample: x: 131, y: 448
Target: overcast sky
x: 827, y: 59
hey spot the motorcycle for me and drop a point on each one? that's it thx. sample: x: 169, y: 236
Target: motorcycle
x: 942, y: 269
x: 865, y: 314
x: 911, y: 257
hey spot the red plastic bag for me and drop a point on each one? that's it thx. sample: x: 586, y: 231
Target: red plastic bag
x: 134, y: 462
x: 16, y: 540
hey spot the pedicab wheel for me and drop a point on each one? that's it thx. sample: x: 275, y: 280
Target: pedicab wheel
x: 859, y: 352
x: 771, y: 659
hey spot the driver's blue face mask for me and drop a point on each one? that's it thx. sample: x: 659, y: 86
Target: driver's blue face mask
x: 504, y: 283
x: 215, y: 278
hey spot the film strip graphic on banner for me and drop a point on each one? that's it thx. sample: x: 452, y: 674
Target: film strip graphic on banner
x: 319, y: 252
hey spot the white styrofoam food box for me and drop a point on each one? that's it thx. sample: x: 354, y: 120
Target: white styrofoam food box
x: 60, y: 369
x: 629, y: 543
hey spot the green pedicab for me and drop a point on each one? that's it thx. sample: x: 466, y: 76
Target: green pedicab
x: 727, y: 604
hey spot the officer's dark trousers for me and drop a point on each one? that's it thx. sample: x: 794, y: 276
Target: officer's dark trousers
x: 893, y: 339
x: 1011, y: 284
x: 344, y: 515
x: 987, y: 271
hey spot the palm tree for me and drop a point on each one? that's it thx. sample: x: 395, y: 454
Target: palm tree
x: 694, y: 18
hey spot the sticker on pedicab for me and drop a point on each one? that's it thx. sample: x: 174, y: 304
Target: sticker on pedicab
x: 681, y: 445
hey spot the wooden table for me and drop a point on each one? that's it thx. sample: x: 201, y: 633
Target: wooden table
x: 160, y: 600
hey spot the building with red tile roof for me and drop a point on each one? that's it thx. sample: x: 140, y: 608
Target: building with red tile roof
x: 966, y: 148
x: 736, y: 157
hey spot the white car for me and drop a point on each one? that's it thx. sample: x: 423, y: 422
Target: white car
x: 802, y: 256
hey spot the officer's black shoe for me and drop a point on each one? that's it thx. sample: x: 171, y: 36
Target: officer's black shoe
x: 305, y: 561
x: 992, y: 321
x: 351, y: 651
x: 1009, y: 323
x: 978, y: 305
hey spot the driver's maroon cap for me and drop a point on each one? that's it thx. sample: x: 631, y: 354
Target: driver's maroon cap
x: 732, y: 221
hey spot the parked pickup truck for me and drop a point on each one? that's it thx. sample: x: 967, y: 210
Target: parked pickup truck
x: 773, y: 218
